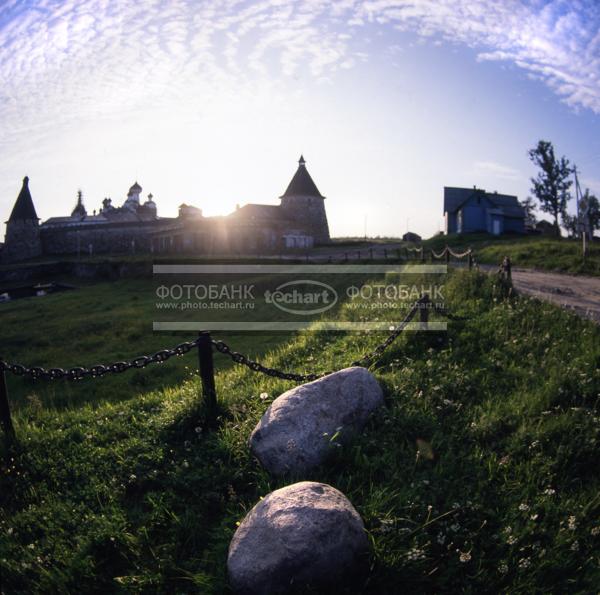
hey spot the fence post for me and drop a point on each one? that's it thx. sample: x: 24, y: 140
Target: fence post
x: 470, y: 258
x: 207, y: 372
x: 507, y: 270
x: 422, y: 254
x: 447, y: 255
x: 423, y: 311
x: 9, y: 430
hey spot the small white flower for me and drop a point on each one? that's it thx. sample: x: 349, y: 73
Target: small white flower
x: 264, y: 396
x: 595, y: 531
x: 572, y: 523
x: 549, y: 492
x: 503, y: 568
x: 534, y: 517
x: 511, y: 540
x: 575, y: 546
x: 465, y: 556
x: 524, y: 507
x: 524, y: 563
x: 132, y: 477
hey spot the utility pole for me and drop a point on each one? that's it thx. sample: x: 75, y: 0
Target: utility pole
x: 581, y: 227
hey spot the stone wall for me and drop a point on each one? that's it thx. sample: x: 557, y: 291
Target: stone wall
x: 116, y: 238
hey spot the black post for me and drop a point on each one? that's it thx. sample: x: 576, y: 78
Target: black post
x: 207, y: 372
x: 9, y: 430
x: 424, y: 312
x: 447, y: 255
x: 507, y: 270
x: 470, y: 257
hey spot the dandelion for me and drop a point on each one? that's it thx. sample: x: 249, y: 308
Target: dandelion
x: 464, y: 556
x: 264, y: 396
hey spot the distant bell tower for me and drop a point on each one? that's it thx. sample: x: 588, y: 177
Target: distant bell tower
x: 133, y: 197
x: 22, y: 240
x: 79, y: 210
x: 303, y: 203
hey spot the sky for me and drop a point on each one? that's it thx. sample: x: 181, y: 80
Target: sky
x: 211, y: 103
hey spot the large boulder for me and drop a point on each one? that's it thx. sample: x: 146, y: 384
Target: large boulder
x: 304, y: 534
x: 304, y: 424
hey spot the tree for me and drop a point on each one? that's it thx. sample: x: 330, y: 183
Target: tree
x: 590, y: 205
x: 571, y: 224
x: 529, y: 206
x: 551, y: 187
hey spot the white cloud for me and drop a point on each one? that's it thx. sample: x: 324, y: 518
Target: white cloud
x: 498, y: 170
x: 63, y: 60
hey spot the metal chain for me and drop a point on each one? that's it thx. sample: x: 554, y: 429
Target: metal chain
x: 244, y: 360
x: 457, y: 255
x: 79, y: 372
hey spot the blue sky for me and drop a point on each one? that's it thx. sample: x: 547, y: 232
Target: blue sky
x: 211, y: 103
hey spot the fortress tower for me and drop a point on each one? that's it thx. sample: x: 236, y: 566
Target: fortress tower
x: 22, y: 239
x: 302, y: 202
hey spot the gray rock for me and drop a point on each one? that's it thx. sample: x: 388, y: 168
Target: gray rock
x: 303, y: 425
x: 304, y: 534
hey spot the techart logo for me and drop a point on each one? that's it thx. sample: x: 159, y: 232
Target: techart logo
x: 303, y: 297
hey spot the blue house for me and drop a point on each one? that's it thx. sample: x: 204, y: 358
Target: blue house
x: 473, y: 209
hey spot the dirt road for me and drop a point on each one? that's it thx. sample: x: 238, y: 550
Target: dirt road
x: 577, y: 293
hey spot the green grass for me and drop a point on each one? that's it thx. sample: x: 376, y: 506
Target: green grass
x: 545, y: 253
x: 98, y: 323
x: 139, y: 496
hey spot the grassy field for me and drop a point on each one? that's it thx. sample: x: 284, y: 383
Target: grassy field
x: 553, y: 254
x: 139, y: 496
x: 99, y: 323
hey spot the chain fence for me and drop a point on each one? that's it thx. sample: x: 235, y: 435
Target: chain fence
x: 205, y: 345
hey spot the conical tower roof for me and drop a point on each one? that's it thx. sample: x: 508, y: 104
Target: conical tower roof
x: 23, y: 208
x: 302, y: 184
